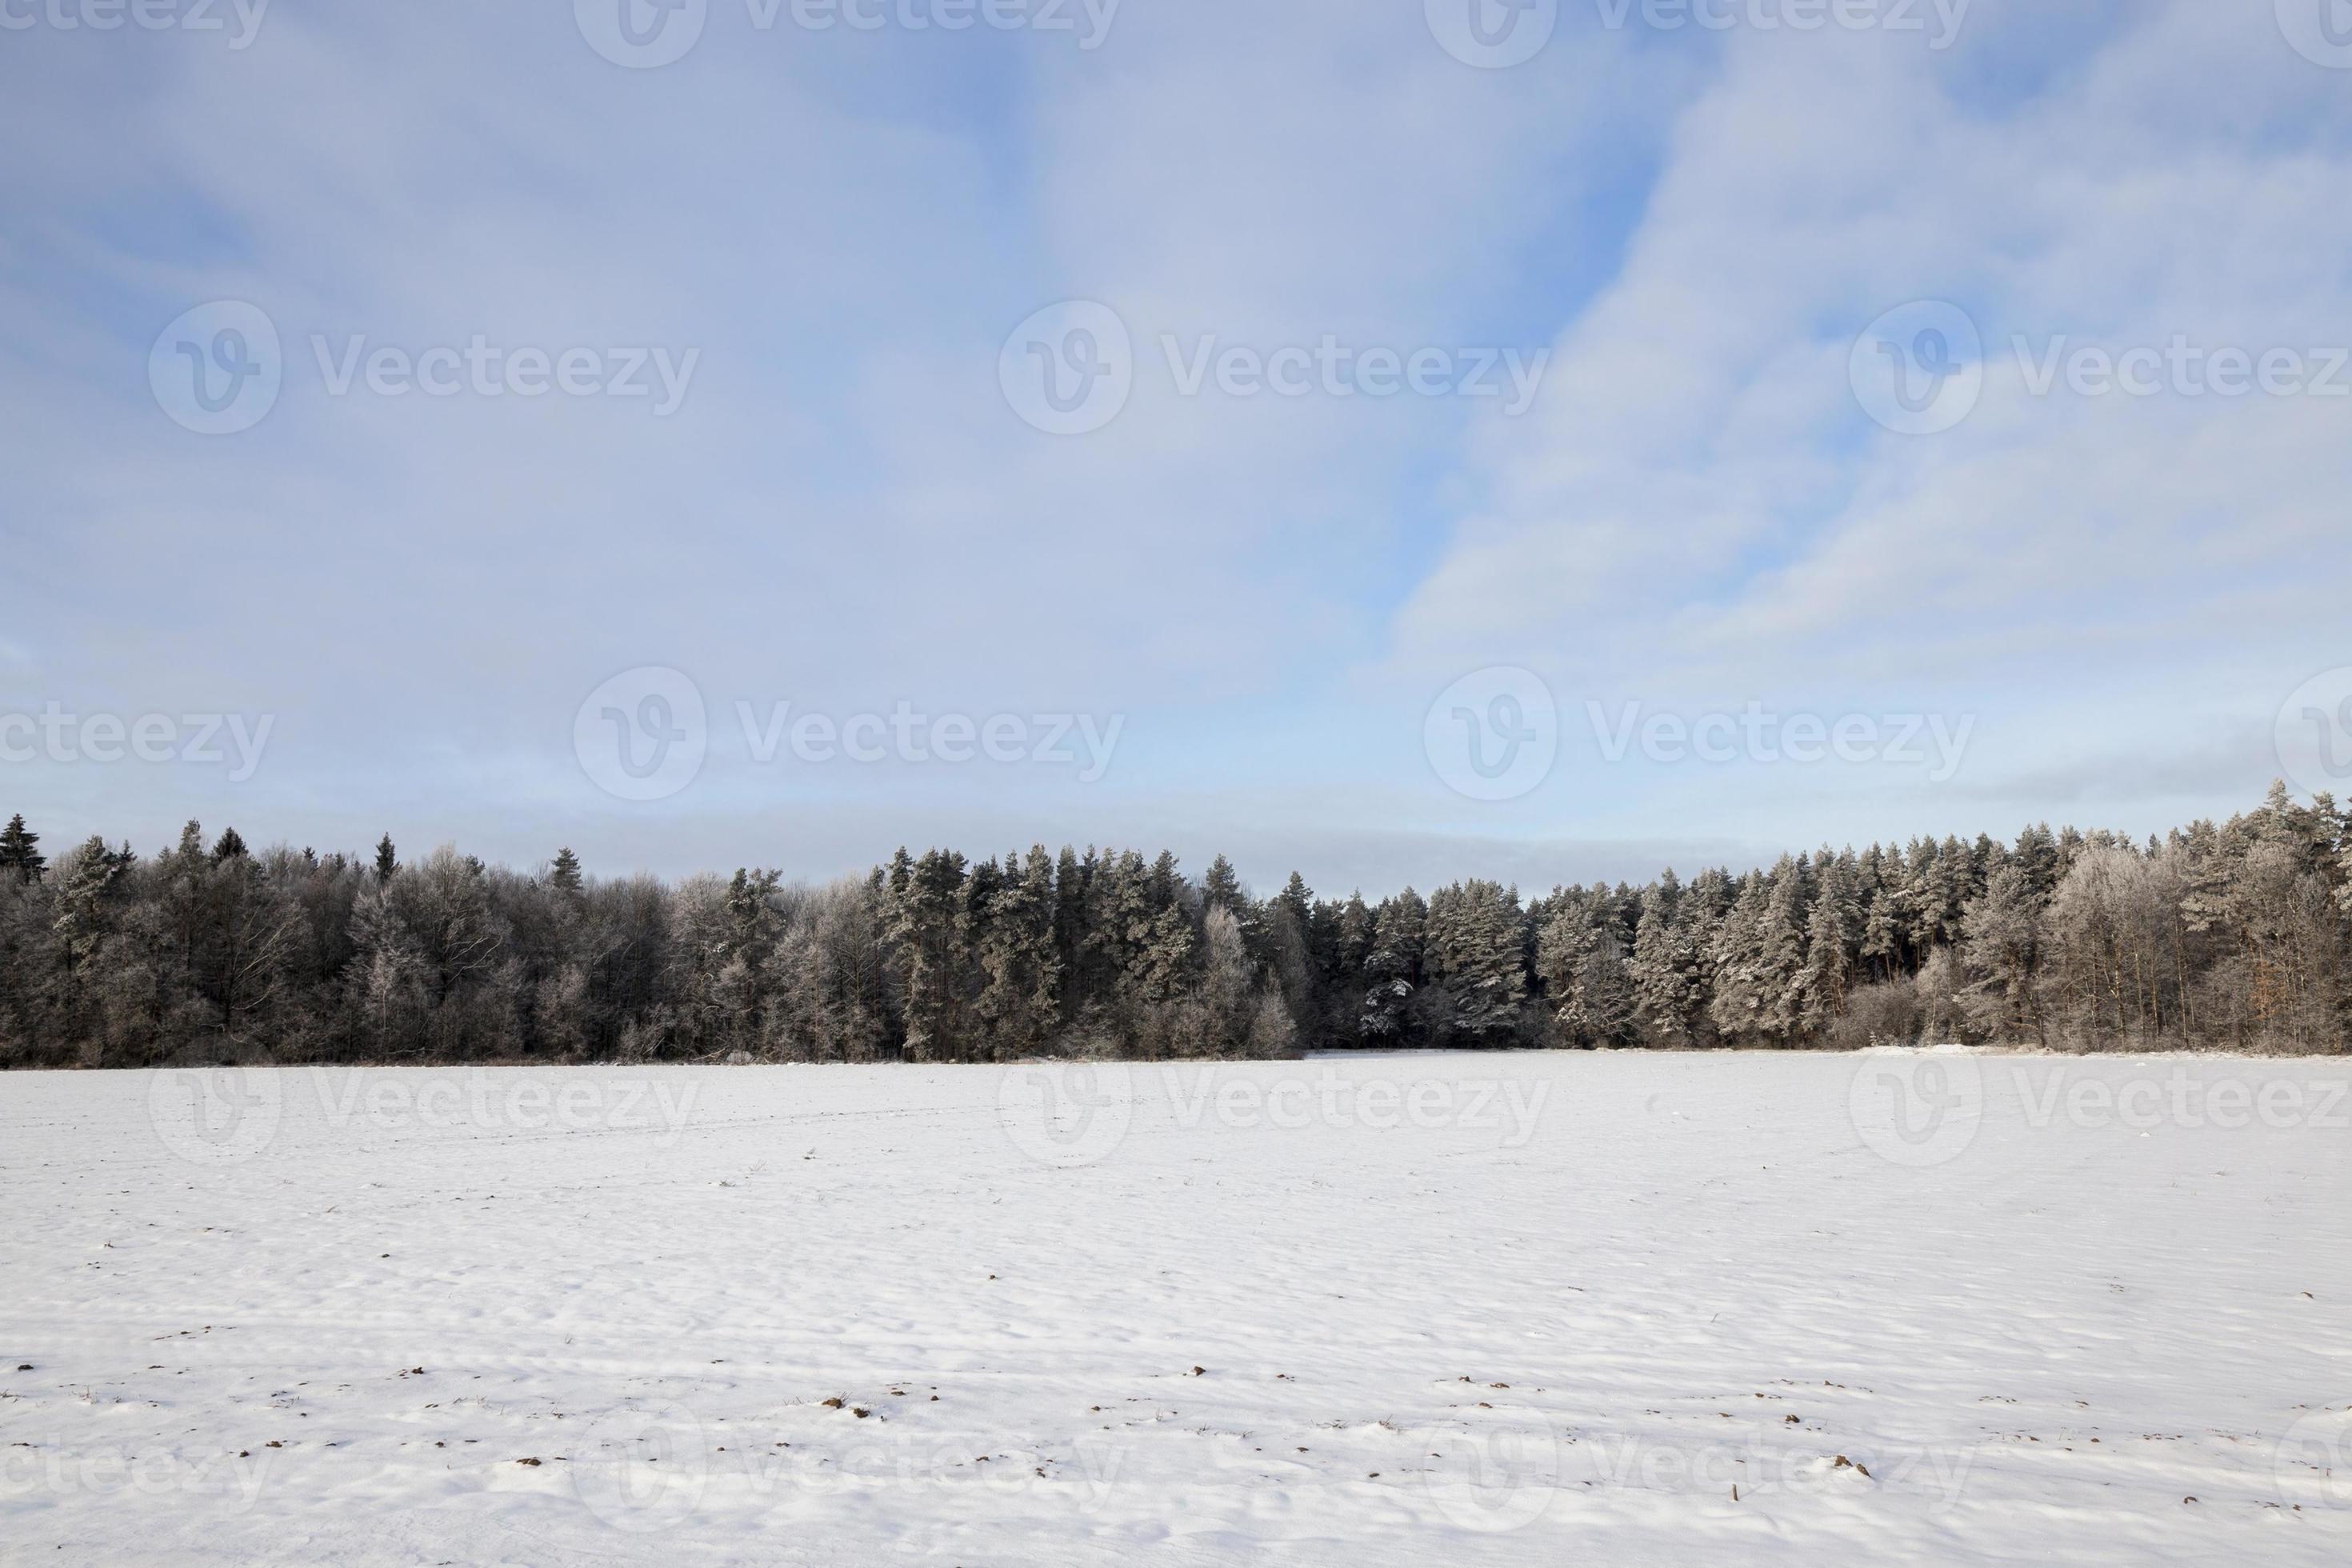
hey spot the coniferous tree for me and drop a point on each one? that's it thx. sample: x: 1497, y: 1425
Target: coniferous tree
x: 1221, y: 889
x: 1669, y: 992
x: 2234, y: 934
x: 1392, y: 969
x: 18, y: 854
x: 1584, y: 974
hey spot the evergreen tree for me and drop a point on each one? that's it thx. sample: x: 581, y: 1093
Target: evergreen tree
x: 1781, y: 951
x: 1582, y: 965
x: 1392, y: 969
x: 387, y: 860
x: 1668, y: 990
x: 1882, y: 933
x: 18, y: 854
x: 1738, y: 1004
x: 2002, y: 929
x: 1221, y: 889
x: 2235, y: 935
x: 1477, y: 964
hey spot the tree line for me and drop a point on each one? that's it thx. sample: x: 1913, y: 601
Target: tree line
x: 2229, y: 936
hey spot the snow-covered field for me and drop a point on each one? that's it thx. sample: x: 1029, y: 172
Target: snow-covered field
x: 1537, y: 1309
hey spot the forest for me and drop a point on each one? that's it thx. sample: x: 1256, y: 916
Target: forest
x: 2224, y: 937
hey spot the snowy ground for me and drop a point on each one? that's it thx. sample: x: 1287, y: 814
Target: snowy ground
x: 1535, y: 1309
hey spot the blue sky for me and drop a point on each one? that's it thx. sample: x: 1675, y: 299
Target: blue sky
x: 2117, y: 597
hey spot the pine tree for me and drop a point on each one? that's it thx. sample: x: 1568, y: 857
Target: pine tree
x: 1476, y: 963
x: 926, y: 911
x: 1882, y: 933
x: 1584, y: 969
x: 86, y: 892
x: 1822, y: 986
x: 565, y: 876
x: 1221, y: 889
x: 1042, y: 961
x: 1738, y: 1003
x: 1070, y: 879
x: 1781, y: 951
x: 2002, y: 930
x: 386, y: 860
x: 1668, y: 992
x: 1018, y: 1005
x: 18, y: 854
x: 1392, y: 967
x: 1299, y: 900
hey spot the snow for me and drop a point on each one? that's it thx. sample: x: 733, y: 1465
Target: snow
x: 1464, y: 1309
